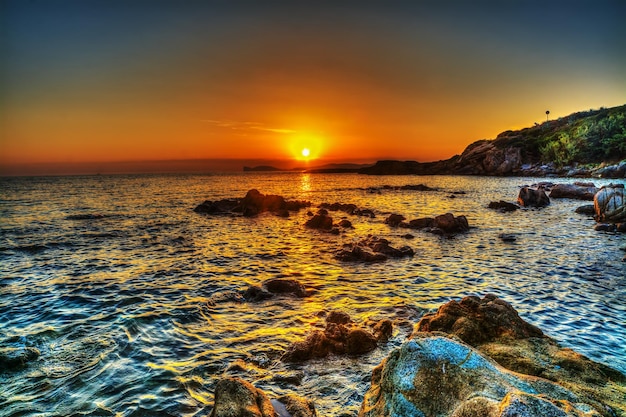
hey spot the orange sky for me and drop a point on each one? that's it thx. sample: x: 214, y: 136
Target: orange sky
x: 119, y: 81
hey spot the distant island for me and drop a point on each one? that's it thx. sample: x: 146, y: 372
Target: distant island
x: 583, y: 144
x: 322, y: 169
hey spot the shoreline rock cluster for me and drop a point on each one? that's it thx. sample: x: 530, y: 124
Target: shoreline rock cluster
x: 471, y: 358
x: 253, y: 204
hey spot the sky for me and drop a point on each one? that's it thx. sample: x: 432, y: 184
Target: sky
x: 89, y: 82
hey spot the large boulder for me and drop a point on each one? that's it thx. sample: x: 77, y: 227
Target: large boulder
x: 438, y: 376
x: 320, y: 221
x: 576, y: 191
x: 494, y: 327
x: 503, y: 206
x: 610, y: 205
x: 531, y: 197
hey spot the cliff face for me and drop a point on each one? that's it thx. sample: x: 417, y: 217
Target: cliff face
x: 556, y: 147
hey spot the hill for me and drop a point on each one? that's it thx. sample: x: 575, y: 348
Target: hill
x: 575, y: 145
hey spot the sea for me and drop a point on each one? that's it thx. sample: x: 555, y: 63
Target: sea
x: 133, y: 300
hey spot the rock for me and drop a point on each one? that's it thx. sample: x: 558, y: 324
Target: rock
x: 438, y: 376
x: 605, y: 227
x: 394, y: 220
x: 285, y: 286
x: 372, y: 249
x: 17, y: 357
x: 407, y: 236
x: 320, y: 222
x: 587, y: 210
x: 577, y: 191
x: 611, y: 171
x: 493, y: 327
x: 341, y: 336
x: 450, y: 224
x: 503, y: 206
x: 530, y: 197
x: 255, y: 293
x: 620, y: 227
x: 225, y: 206
x: 383, y: 330
x: 346, y: 208
x: 421, y: 223
x: 235, y: 397
x: 476, y: 320
x: 610, y: 204
x: 297, y: 406
x: 346, y: 224
x: 85, y: 217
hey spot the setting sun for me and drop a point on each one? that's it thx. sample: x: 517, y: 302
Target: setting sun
x: 306, y: 152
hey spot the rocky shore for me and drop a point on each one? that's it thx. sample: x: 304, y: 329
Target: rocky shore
x: 473, y: 357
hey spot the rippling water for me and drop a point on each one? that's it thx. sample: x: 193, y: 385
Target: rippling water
x: 134, y: 313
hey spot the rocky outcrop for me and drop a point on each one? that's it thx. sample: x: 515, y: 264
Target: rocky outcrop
x: 531, y: 197
x: 438, y: 376
x: 16, y: 356
x: 348, y: 208
x: 587, y: 210
x: 493, y: 327
x: 372, y: 249
x: 320, y: 221
x: 251, y: 205
x: 610, y: 171
x: 340, y: 336
x: 610, y: 205
x: 576, y: 191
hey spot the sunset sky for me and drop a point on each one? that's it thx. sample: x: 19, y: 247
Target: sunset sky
x: 96, y: 81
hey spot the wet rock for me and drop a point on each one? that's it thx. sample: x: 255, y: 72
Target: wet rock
x: 394, y: 220
x: 605, y: 227
x: 611, y: 171
x: 476, y: 320
x: 340, y: 336
x: 320, y: 222
x: 407, y: 236
x: 235, y: 397
x: 297, y: 406
x: 587, y: 210
x: 285, y: 286
x: 421, y: 223
x: 346, y: 224
x: 346, y: 208
x: 225, y: 206
x: 610, y: 205
x: 503, y: 206
x: 620, y: 227
x: 14, y: 358
x: 383, y: 330
x: 438, y: 376
x: 530, y: 197
x: 255, y: 293
x: 372, y: 249
x: 577, y: 191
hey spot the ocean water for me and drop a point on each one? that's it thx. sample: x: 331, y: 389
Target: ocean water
x: 138, y: 313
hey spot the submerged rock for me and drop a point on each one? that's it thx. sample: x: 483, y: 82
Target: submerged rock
x: 610, y: 205
x: 530, y: 197
x: 577, y: 191
x: 340, y: 336
x: 320, y: 221
x: 14, y: 358
x: 438, y: 376
x: 274, y: 286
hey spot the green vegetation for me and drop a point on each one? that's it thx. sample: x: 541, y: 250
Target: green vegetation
x: 586, y: 137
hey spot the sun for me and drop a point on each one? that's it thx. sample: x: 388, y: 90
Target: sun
x: 306, y: 152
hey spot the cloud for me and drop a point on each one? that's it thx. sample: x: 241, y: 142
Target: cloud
x: 246, y: 126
